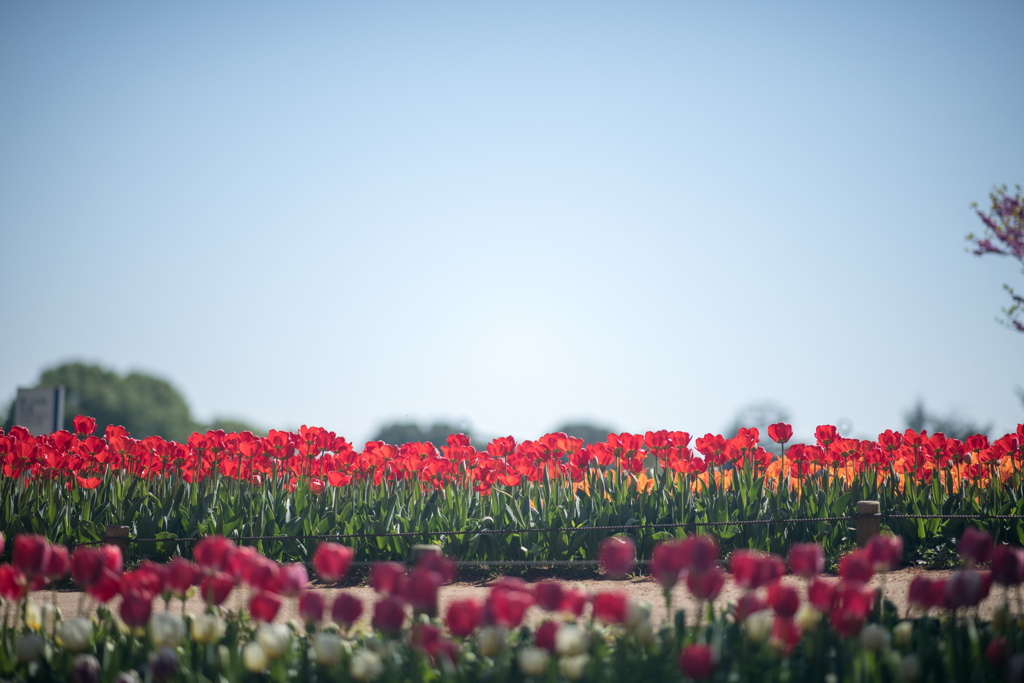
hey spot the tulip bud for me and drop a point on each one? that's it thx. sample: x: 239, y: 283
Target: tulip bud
x: 254, y: 659
x: 40, y: 615
x: 533, y: 661
x: 365, y: 666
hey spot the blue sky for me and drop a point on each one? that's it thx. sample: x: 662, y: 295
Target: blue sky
x: 511, y: 215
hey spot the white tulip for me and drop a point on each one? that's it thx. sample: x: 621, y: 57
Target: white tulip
x: 571, y: 640
x: 274, y: 639
x: 365, y: 666
x: 74, y: 634
x: 327, y: 649
x: 254, y: 659
x: 874, y: 637
x: 533, y: 661
x: 208, y: 628
x: 759, y: 625
x: 573, y: 667
x: 40, y: 615
x: 807, y: 617
x: 166, y: 630
x: 903, y: 632
x: 491, y: 640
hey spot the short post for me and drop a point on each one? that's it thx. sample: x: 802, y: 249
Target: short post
x: 869, y: 520
x: 423, y: 549
x: 116, y: 535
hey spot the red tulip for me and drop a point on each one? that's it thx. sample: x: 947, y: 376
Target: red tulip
x: 966, y: 588
x: 998, y: 652
x: 668, y: 562
x: 611, y: 607
x: 701, y: 552
x: 845, y: 623
x: 885, y: 552
x: 311, y: 607
x: 926, y: 593
x: 1007, y: 565
x: 507, y: 604
x: 780, y: 432
x: 216, y: 587
x: 785, y: 634
x: 31, y: 554
x: 706, y: 585
x: 136, y: 606
x: 822, y: 595
x: 213, y: 553
x: 573, y: 601
x: 84, y: 426
x: 974, y: 546
x: 421, y: 591
x: 463, y: 617
x: 617, y: 556
x: 697, y: 661
x: 13, y: 584
x: 783, y: 599
x: 544, y: 637
x: 549, y: 595
x: 332, y: 560
x: 112, y: 558
x: 807, y: 559
x: 748, y: 604
x: 856, y: 566
x: 1, y: 537
x: 263, y: 606
x: 59, y: 563
x: 855, y: 598
x: 181, y: 576
x: 752, y: 569
x: 105, y: 587
x: 388, y: 614
x: 385, y: 577
x: 347, y: 608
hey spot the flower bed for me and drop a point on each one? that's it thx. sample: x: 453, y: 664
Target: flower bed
x: 832, y: 629
x: 544, y: 496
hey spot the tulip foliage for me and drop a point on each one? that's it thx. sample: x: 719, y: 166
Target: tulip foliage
x: 790, y: 623
x: 533, y: 500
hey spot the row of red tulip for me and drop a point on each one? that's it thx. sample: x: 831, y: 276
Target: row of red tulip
x: 327, y: 459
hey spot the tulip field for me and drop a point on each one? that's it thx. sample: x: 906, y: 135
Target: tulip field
x: 132, y: 626
x: 549, y: 499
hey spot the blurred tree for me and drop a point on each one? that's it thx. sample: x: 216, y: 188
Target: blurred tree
x: 142, y: 404
x: 759, y: 415
x: 398, y: 433
x: 1004, y: 223
x: 918, y: 418
x: 590, y: 433
x: 231, y: 424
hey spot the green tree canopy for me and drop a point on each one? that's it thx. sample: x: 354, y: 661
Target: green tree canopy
x: 398, y: 433
x: 142, y: 404
x: 590, y: 433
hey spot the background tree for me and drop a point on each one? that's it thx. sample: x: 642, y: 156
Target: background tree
x: 1004, y: 235
x: 760, y: 415
x: 590, y: 433
x: 398, y: 433
x: 142, y: 404
x: 918, y: 418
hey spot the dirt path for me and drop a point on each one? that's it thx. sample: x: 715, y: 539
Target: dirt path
x: 643, y: 589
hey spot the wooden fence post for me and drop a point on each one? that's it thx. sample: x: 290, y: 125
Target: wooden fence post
x: 869, y: 520
x: 421, y: 549
x: 116, y: 535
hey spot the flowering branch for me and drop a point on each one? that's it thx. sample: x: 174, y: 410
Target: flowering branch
x: 1004, y: 235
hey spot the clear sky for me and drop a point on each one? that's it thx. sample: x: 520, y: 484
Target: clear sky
x: 512, y: 214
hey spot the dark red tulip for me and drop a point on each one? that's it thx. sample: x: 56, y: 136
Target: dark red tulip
x: 136, y: 606
x: 697, y: 662
x: 311, y: 607
x: 213, y: 553
x: 617, y: 556
x: 332, y: 560
x: 347, y: 608
x: 464, y: 616
x: 806, y: 559
x: 611, y: 607
x: 975, y: 546
x: 706, y: 585
x: 783, y: 599
x: 263, y: 606
x: 668, y: 563
x: 59, y: 563
x: 1007, y: 565
x: 544, y: 637
x: 216, y: 587
x: 389, y: 614
x: 13, y: 584
x: 105, y: 587
x: 885, y: 552
x: 856, y: 566
x: 549, y: 595
x: 385, y: 577
x: 420, y: 591
x: 31, y: 554
x: 181, y: 575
